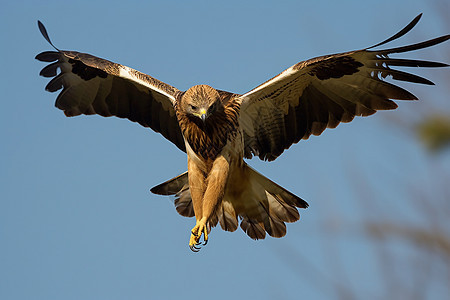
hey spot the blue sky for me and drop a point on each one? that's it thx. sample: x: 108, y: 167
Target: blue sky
x: 77, y: 220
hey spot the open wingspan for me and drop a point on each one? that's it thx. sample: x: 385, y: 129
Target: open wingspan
x: 91, y: 85
x: 321, y: 92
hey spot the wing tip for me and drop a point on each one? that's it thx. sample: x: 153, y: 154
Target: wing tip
x: 157, y: 190
x: 401, y: 33
x: 44, y: 33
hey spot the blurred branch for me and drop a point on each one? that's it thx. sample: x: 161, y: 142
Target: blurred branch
x: 436, y: 241
x: 408, y: 244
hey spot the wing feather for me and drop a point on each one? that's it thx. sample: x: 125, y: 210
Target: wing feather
x: 91, y: 85
x: 398, y: 62
x: 322, y: 92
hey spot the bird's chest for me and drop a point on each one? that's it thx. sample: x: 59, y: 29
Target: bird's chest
x: 232, y: 151
x: 208, y: 142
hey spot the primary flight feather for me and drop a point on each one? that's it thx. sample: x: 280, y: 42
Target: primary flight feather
x: 218, y: 129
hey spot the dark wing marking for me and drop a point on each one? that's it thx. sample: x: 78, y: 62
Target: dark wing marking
x: 321, y: 92
x: 91, y: 85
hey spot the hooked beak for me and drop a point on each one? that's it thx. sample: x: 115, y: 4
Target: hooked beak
x: 203, y: 115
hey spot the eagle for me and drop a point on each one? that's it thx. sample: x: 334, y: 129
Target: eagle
x: 218, y: 129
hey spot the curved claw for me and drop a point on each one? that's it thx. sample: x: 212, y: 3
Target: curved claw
x: 193, y: 248
x: 195, y: 243
x: 202, y: 244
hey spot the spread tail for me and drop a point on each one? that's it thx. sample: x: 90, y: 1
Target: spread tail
x: 261, y: 204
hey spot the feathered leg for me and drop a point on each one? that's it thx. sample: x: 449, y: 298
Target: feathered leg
x: 212, y: 197
x: 197, y: 186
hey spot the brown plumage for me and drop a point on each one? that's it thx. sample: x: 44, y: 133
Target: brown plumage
x: 207, y: 138
x: 218, y: 129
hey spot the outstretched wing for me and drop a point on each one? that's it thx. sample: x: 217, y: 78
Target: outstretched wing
x: 91, y: 85
x: 321, y: 92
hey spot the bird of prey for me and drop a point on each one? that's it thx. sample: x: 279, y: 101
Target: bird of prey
x: 218, y: 129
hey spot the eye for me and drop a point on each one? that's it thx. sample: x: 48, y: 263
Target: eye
x: 212, y: 107
x: 193, y: 107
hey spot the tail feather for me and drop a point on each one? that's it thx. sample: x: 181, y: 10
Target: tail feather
x: 171, y: 186
x: 183, y: 203
x: 282, y: 210
x: 254, y: 230
x: 274, y: 227
x: 178, y: 186
x: 227, y: 216
x: 261, y: 204
x: 274, y: 189
x: 267, y: 205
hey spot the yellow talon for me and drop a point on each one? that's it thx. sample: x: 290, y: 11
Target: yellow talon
x: 196, y: 234
x: 193, y: 243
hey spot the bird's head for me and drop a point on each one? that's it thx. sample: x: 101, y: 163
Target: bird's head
x: 200, y: 102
